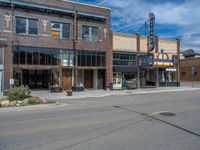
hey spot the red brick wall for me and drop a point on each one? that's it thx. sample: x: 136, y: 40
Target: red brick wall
x: 44, y: 38
x: 186, y: 69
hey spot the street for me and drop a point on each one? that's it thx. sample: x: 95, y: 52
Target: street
x: 126, y: 122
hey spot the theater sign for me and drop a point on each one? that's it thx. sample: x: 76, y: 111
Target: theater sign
x: 161, y: 59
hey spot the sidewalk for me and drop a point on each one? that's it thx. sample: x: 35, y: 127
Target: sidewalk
x: 189, y: 83
x: 102, y: 93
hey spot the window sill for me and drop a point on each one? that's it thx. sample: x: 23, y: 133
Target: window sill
x: 29, y: 35
x: 90, y: 41
x: 64, y: 39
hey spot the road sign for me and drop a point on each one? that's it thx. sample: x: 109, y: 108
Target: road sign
x: 193, y: 70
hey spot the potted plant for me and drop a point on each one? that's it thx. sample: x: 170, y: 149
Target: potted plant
x: 69, y: 92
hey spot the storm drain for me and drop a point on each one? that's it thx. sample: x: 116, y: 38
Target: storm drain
x: 164, y: 113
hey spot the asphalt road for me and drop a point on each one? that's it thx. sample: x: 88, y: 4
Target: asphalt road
x: 129, y: 122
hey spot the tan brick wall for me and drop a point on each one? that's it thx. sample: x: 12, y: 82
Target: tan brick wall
x: 169, y: 46
x: 143, y: 44
x: 124, y: 42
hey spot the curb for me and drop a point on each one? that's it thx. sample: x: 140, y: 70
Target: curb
x: 138, y: 92
x: 33, y: 107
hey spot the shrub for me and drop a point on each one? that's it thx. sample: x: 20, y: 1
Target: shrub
x: 34, y: 101
x: 18, y: 93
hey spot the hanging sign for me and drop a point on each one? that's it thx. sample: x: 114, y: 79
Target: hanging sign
x: 151, y: 39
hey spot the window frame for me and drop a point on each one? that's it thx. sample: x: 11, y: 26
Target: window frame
x: 60, y: 30
x: 27, y: 31
x: 90, y: 35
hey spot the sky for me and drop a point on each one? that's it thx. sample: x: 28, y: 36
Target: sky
x: 174, y: 18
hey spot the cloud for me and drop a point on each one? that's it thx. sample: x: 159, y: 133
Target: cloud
x: 180, y: 18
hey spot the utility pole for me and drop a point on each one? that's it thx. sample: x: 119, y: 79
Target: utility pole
x: 12, y: 16
x: 75, y: 38
x: 138, y: 56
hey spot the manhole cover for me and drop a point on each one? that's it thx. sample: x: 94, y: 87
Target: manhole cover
x: 164, y: 113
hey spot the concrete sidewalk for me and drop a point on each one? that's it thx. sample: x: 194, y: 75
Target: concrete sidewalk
x: 102, y: 93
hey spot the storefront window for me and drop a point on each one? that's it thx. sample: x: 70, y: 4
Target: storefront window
x: 29, y: 55
x: 65, y: 58
x: 120, y: 59
x: 87, y: 58
x: 55, y: 57
x: 36, y: 56
x: 80, y: 77
x: 167, y: 76
x: 22, y: 55
x: 42, y: 57
x: 71, y: 60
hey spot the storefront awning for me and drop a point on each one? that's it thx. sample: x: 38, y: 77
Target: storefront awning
x: 124, y: 69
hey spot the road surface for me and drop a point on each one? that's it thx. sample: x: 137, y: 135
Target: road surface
x: 128, y: 122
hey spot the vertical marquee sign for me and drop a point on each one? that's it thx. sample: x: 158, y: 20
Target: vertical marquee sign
x: 151, y: 38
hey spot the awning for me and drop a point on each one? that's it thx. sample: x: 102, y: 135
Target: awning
x: 124, y: 69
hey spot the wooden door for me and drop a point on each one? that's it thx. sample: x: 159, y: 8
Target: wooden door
x: 88, y: 79
x: 67, y: 79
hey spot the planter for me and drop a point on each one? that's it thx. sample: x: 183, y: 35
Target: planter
x: 69, y: 92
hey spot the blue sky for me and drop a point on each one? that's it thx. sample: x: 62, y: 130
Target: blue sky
x: 174, y: 18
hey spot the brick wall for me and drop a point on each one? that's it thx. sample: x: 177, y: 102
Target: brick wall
x: 186, y: 69
x: 44, y: 37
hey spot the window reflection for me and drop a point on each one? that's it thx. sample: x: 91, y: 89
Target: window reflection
x: 121, y: 59
x: 36, y: 56
x: 88, y: 58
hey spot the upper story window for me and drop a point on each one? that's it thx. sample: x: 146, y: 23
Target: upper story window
x: 26, y: 26
x: 60, y: 30
x: 124, y: 59
x: 90, y: 33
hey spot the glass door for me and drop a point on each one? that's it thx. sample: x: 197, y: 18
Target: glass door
x: 117, y: 81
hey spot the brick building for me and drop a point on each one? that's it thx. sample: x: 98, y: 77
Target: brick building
x: 186, y: 65
x: 55, y: 43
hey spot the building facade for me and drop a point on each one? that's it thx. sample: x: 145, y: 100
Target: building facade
x: 55, y: 43
x: 190, y: 67
x: 134, y: 67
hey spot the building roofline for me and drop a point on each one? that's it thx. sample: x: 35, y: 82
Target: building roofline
x: 124, y: 34
x: 85, y: 4
x: 53, y: 8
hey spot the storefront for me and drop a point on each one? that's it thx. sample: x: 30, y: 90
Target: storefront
x: 124, y: 70
x: 91, y: 70
x: 158, y: 70
x: 38, y: 68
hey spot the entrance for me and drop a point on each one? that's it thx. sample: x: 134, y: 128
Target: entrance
x: 67, y: 79
x: 101, y: 79
x: 88, y: 79
x: 39, y: 79
x: 117, y: 81
x: 148, y: 78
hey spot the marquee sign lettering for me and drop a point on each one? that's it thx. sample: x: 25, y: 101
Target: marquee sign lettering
x: 151, y: 38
